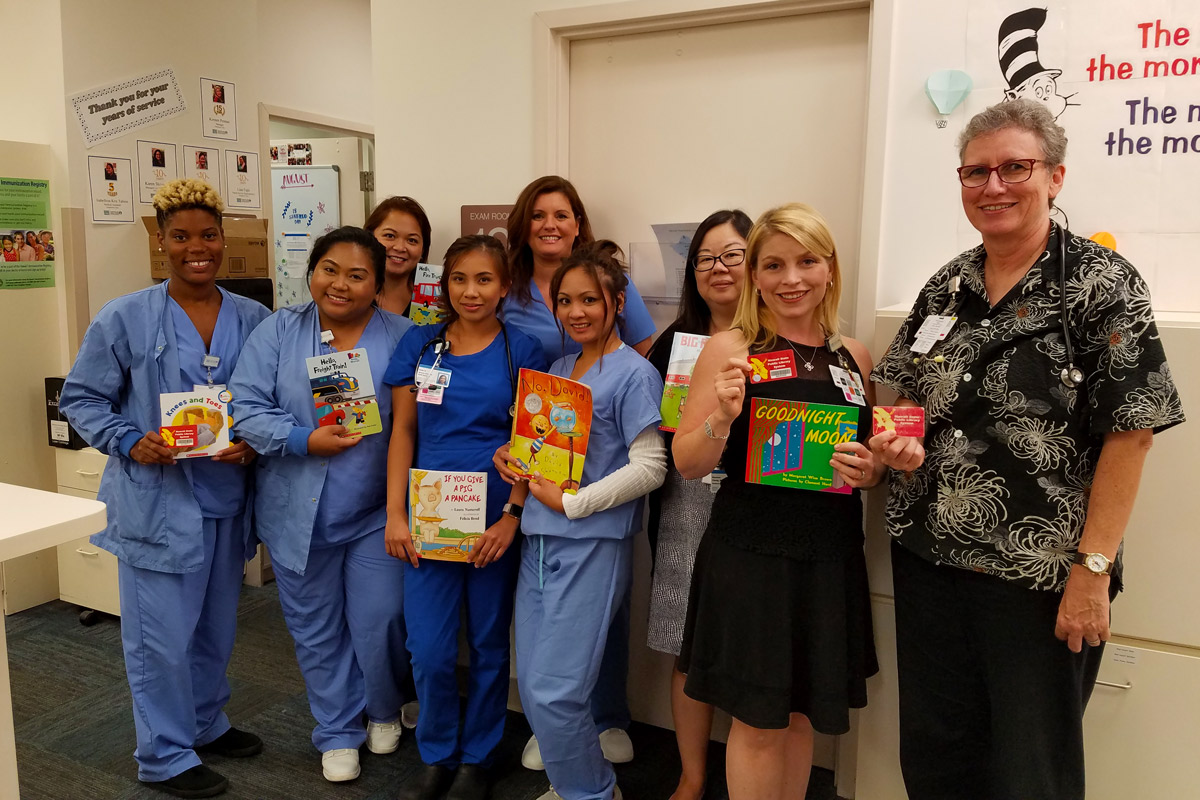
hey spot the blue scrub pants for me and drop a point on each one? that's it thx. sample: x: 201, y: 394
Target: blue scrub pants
x: 177, y: 630
x: 568, y: 593
x: 610, y: 700
x: 346, y: 615
x: 434, y: 593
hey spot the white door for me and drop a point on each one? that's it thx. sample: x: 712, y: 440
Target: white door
x: 668, y: 127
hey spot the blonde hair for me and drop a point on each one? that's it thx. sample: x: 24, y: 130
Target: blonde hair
x: 808, y: 228
x: 183, y: 194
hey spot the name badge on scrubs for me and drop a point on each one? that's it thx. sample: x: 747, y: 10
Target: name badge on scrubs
x: 776, y: 366
x: 204, y: 387
x: 933, y: 329
x: 427, y: 376
x: 211, y: 361
x: 713, y: 479
x: 850, y: 383
x: 432, y: 395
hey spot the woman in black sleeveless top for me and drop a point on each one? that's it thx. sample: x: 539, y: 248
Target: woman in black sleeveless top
x: 778, y: 632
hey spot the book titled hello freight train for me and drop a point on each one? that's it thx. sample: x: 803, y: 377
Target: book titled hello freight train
x: 791, y: 443
x: 344, y: 392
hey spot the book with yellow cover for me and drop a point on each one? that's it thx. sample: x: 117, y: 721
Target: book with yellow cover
x: 551, y: 428
x: 196, y: 423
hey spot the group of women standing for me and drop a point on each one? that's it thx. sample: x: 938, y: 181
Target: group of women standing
x: 760, y: 592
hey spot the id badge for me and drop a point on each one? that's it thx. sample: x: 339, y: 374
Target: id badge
x: 432, y: 395
x: 850, y: 383
x: 440, y: 378
x: 204, y: 387
x: 211, y: 361
x: 713, y: 479
x: 776, y: 366
x: 933, y: 329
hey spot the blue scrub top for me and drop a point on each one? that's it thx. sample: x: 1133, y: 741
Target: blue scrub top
x: 463, y: 433
x: 626, y: 394
x: 356, y: 485
x: 538, y: 321
x: 220, y: 488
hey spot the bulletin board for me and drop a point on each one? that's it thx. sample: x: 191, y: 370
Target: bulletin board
x: 305, y: 206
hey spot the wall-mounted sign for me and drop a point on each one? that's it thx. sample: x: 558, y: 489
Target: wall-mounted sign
x: 110, y: 111
x: 157, y: 166
x: 242, y: 187
x: 202, y: 163
x: 26, y: 241
x: 111, y: 181
x: 219, y: 109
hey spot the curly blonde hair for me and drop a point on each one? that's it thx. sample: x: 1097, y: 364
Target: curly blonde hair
x: 183, y: 194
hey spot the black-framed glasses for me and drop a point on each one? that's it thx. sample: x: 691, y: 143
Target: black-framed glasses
x: 730, y: 258
x: 972, y: 176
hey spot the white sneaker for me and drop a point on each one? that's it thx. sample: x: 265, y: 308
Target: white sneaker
x: 553, y: 795
x: 408, y: 714
x: 340, y: 765
x: 531, y: 758
x: 615, y: 745
x: 383, y: 737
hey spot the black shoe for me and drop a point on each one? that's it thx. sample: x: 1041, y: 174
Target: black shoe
x: 471, y: 782
x: 233, y: 744
x: 199, y: 781
x: 429, y: 784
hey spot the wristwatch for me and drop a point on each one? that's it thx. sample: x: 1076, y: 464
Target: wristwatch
x: 1098, y: 563
x: 513, y: 510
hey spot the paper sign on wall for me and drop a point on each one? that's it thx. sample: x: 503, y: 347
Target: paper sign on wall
x: 111, y: 181
x: 157, y: 166
x: 219, y: 109
x: 242, y: 187
x: 110, y: 111
x: 27, y: 259
x: 203, y: 164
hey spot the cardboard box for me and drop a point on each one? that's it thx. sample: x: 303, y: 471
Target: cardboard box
x: 246, y: 251
x: 58, y: 431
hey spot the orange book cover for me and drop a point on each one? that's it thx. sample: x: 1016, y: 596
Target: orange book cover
x: 551, y: 428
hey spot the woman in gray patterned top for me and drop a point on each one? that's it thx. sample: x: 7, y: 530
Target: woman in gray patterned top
x: 1008, y: 517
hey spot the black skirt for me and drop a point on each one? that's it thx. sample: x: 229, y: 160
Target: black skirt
x: 768, y: 636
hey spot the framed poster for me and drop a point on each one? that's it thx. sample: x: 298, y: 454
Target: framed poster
x: 242, y: 186
x: 111, y: 181
x: 218, y: 109
x: 157, y: 166
x: 202, y: 163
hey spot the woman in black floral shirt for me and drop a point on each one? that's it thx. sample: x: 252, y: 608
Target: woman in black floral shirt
x: 1008, y: 516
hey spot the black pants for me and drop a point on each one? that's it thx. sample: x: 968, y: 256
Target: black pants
x: 991, y: 703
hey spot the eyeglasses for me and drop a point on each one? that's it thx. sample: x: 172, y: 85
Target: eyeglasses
x: 972, y: 176
x: 730, y: 258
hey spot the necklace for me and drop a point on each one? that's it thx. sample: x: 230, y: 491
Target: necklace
x: 808, y: 364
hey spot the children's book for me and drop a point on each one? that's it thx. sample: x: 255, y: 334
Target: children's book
x: 791, y: 443
x: 344, y: 392
x: 427, y: 290
x: 196, y: 423
x: 446, y: 512
x: 551, y: 429
x: 685, y: 349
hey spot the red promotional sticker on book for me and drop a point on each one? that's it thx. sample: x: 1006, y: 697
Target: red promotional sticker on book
x: 904, y: 420
x: 179, y: 435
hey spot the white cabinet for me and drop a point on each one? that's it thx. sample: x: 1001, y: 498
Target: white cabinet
x: 87, y: 574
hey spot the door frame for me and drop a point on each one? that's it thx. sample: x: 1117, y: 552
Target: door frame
x: 554, y: 30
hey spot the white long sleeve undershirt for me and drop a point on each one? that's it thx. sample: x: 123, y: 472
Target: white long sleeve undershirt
x: 645, y: 472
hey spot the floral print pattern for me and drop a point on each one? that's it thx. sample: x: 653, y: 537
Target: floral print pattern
x: 1010, y: 450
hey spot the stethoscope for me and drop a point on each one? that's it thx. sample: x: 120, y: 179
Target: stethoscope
x: 441, y: 346
x: 1071, y: 375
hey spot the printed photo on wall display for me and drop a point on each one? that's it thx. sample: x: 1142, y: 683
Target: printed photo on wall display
x: 242, y: 187
x: 218, y: 109
x: 202, y: 163
x: 157, y: 167
x: 299, y: 155
x: 111, y: 182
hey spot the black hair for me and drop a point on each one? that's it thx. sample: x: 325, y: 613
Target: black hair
x: 601, y: 260
x: 348, y: 234
x: 479, y: 242
x: 694, y: 314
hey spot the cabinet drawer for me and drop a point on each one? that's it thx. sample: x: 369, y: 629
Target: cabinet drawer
x: 80, y: 469
x: 1140, y: 728
x: 87, y: 576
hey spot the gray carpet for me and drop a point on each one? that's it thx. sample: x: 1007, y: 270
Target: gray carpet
x: 75, y: 730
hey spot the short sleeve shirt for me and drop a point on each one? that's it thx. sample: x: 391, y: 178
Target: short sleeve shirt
x: 536, y: 319
x: 1010, y: 451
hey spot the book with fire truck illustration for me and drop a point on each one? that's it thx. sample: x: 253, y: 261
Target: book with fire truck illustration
x: 425, y: 308
x: 344, y: 392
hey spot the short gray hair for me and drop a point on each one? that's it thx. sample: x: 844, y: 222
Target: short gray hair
x: 1026, y: 115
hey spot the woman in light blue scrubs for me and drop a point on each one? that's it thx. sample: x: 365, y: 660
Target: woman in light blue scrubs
x: 460, y: 432
x: 548, y: 223
x: 179, y: 529
x: 320, y: 507
x: 575, y: 564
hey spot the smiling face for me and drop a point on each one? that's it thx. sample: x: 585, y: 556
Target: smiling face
x: 553, y: 227
x: 400, y: 235
x: 194, y: 244
x: 1019, y: 210
x: 587, y: 312
x: 343, y: 284
x: 791, y: 279
x: 721, y: 285
x: 475, y: 286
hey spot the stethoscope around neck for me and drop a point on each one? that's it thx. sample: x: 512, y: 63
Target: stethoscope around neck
x: 441, y: 346
x: 1071, y: 375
